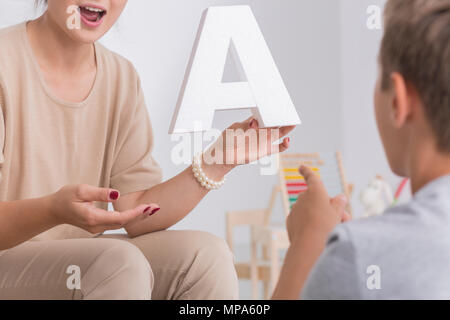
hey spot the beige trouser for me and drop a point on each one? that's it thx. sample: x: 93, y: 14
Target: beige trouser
x: 160, y: 265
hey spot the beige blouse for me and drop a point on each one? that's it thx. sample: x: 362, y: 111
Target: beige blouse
x: 47, y: 143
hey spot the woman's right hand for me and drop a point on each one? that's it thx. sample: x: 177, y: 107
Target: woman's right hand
x: 74, y: 204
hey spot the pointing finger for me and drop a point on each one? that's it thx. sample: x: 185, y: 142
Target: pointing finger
x: 310, y: 177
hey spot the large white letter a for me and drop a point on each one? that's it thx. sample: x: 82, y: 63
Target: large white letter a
x: 203, y: 91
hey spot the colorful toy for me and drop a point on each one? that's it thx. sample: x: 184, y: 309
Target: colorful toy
x: 400, y: 189
x: 327, y: 166
x: 376, y: 197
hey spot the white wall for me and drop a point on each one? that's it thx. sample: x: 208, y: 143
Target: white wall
x: 15, y: 11
x: 324, y: 52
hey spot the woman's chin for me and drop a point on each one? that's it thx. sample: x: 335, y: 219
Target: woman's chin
x: 85, y: 36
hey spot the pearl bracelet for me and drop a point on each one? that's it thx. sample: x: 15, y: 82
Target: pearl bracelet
x: 202, y: 178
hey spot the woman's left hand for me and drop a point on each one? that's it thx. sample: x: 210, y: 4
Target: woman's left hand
x: 245, y: 142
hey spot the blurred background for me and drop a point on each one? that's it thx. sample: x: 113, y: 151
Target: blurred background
x: 326, y: 54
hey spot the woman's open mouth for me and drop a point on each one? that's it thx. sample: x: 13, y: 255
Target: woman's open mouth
x: 92, y: 16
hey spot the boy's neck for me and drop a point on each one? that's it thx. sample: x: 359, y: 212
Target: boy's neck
x: 428, y: 165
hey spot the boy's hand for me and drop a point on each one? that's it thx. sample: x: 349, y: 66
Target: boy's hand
x: 314, y: 210
x: 309, y: 224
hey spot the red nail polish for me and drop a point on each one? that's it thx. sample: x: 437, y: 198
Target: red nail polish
x: 113, y: 195
x: 146, y: 209
x: 288, y: 140
x: 154, y: 211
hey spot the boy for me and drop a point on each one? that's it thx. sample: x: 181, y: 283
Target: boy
x: 404, y: 254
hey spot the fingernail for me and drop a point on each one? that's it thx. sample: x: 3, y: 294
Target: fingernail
x: 146, y: 209
x: 343, y: 198
x: 113, y: 195
x: 154, y: 211
x: 288, y: 139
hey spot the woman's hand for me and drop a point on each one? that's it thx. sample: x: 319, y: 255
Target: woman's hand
x: 243, y: 143
x: 74, y: 204
x: 314, y: 210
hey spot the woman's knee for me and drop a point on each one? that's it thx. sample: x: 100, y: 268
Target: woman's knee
x: 213, y: 267
x: 190, y: 265
x: 120, y: 271
x: 206, y: 241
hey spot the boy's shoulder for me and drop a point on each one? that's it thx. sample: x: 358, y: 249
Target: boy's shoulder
x: 383, y: 240
x: 395, y: 248
x: 366, y: 231
x: 427, y: 214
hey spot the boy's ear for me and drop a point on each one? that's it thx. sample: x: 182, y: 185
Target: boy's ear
x: 401, y: 102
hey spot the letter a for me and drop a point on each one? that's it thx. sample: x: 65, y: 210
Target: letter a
x: 223, y: 29
x: 74, y: 280
x: 374, y: 280
x: 374, y: 19
x: 74, y: 19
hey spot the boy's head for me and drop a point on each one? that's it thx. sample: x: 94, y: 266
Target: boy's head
x: 412, y: 96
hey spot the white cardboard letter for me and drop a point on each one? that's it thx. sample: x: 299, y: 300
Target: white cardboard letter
x: 222, y: 29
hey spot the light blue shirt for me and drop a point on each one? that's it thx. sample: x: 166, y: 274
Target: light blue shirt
x: 403, y: 254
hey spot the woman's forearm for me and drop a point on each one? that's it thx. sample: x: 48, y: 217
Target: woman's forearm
x: 23, y: 219
x: 176, y: 197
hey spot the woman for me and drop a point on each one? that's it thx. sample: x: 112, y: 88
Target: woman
x: 75, y: 135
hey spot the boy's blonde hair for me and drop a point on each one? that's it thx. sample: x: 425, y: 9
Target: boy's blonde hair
x: 416, y: 44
